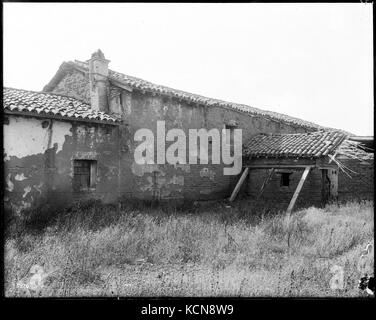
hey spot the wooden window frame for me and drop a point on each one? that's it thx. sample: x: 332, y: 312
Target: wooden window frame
x: 92, y: 177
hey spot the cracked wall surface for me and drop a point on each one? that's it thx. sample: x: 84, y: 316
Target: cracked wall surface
x: 201, y: 181
x: 38, y: 161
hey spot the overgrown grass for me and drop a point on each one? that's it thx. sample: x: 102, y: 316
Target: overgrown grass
x: 213, y: 251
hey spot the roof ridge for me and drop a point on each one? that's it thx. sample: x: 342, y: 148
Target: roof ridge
x: 249, y: 109
x: 182, y: 91
x: 141, y: 84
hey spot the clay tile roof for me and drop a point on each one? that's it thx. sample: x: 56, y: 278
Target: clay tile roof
x: 51, y: 104
x: 140, y: 84
x: 300, y: 145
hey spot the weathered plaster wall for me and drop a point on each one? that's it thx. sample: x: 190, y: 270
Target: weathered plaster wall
x: 202, y: 181
x: 28, y: 136
x: 143, y: 110
x: 38, y: 160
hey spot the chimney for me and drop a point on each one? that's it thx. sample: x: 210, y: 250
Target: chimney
x: 98, y: 72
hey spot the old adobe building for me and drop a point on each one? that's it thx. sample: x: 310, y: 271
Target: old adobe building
x: 75, y: 140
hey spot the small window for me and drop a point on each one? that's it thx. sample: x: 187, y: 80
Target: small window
x: 84, y: 174
x: 285, y: 179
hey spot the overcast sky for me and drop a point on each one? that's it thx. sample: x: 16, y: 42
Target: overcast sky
x: 311, y: 61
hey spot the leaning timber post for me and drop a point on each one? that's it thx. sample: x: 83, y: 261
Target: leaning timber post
x: 292, y: 203
x: 297, y: 191
x: 239, y: 184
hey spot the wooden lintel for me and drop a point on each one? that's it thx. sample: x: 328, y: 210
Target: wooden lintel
x: 121, y: 85
x: 297, y: 191
x: 276, y: 166
x: 239, y: 184
x: 274, y: 162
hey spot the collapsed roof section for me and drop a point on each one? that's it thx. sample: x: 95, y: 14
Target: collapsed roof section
x: 354, y: 150
x: 321, y: 148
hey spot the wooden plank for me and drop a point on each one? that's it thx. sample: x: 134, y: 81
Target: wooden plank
x: 239, y: 184
x: 333, y: 177
x: 297, y: 191
x: 266, y: 181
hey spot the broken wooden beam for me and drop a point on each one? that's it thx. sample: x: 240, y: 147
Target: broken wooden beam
x: 239, y: 184
x: 297, y: 191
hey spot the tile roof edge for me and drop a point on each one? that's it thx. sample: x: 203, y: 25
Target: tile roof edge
x: 48, y: 93
x: 302, y: 133
x: 334, y: 147
x: 59, y: 117
x: 116, y: 119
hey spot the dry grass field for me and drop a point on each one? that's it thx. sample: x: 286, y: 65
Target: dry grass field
x: 98, y: 250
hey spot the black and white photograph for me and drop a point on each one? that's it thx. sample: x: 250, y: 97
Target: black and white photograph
x: 199, y: 150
